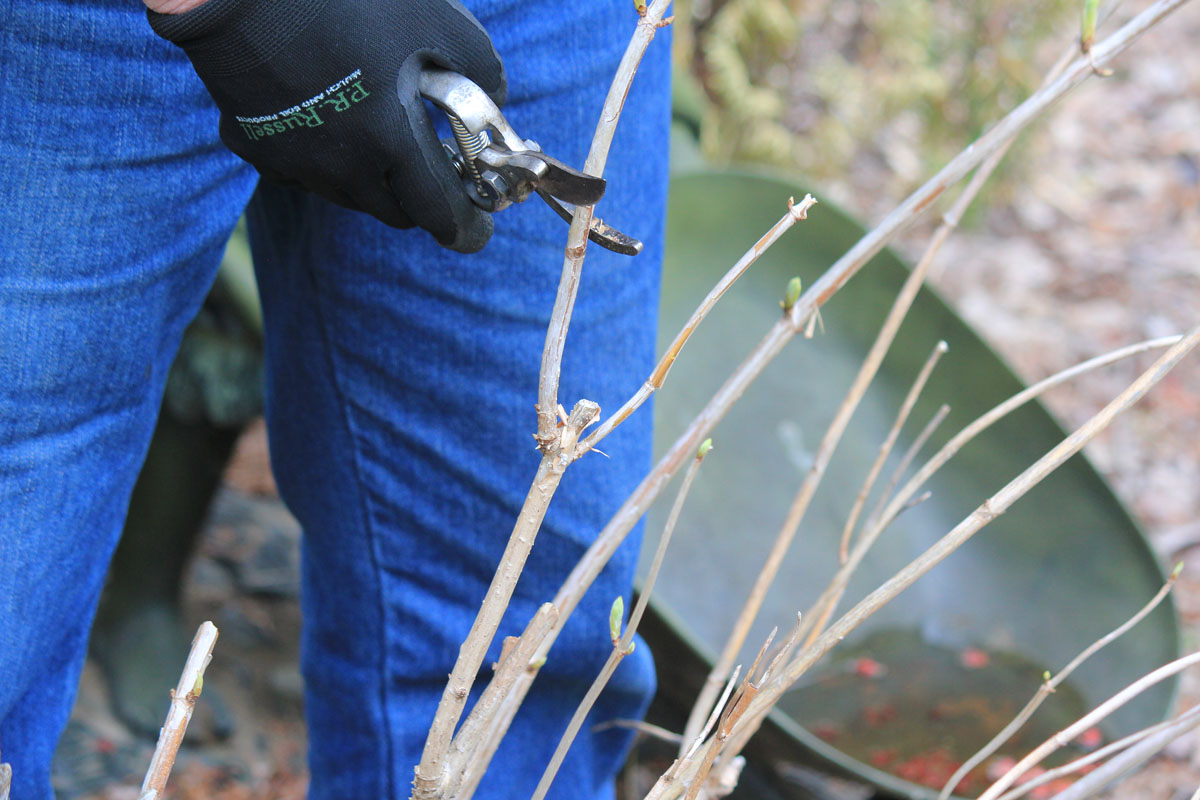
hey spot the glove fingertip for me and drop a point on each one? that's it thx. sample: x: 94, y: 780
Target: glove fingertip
x: 471, y: 238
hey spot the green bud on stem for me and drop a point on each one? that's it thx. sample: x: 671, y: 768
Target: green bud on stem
x: 615, y: 617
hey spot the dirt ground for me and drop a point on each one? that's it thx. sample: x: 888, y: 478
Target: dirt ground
x: 1102, y: 248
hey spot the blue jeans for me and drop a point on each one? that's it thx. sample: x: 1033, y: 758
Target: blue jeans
x: 401, y: 383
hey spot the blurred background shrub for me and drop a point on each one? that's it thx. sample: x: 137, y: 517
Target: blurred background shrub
x: 835, y: 87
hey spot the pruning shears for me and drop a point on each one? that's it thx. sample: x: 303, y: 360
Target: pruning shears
x: 500, y: 168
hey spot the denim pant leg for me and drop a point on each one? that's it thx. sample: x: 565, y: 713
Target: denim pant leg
x: 401, y: 387
x: 115, y: 203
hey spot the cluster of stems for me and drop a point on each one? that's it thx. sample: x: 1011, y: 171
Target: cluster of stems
x: 453, y: 763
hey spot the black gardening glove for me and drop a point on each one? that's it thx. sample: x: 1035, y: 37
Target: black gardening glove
x: 323, y: 94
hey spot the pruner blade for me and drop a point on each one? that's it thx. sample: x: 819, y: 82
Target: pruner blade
x: 599, y: 231
x: 500, y: 168
x: 567, y: 184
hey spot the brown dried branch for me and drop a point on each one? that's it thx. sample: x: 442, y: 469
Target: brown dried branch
x: 641, y: 726
x: 905, y: 462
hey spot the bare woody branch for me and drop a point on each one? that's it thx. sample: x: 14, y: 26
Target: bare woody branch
x: 885, y: 449
x: 466, y: 766
x: 996, y: 505
x: 1186, y: 720
x: 796, y: 213
x: 1121, y: 764
x: 622, y: 645
x: 568, y: 285
x: 432, y: 774
x: 183, y: 702
x: 906, y: 461
x: 1063, y: 737
x: 1047, y: 688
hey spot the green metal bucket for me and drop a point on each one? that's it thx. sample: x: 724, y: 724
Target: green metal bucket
x: 1065, y: 565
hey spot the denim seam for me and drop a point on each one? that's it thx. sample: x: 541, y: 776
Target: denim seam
x: 347, y: 420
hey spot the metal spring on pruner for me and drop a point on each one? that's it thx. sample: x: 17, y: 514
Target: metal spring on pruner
x: 469, y: 145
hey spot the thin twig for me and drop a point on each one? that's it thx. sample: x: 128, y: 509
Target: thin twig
x: 905, y: 461
x: 1122, y: 763
x: 985, y: 421
x: 577, y: 719
x: 624, y: 644
x: 183, y: 702
x: 668, y: 778
x: 885, y: 449
x: 1047, y: 688
x: 828, y: 602
x: 716, y: 712
x: 1060, y: 739
x: 568, y: 286
x: 1192, y: 715
x: 732, y: 714
x: 784, y: 651
x: 641, y: 726
x: 796, y: 212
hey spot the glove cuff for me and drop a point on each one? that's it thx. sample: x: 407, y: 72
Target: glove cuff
x: 232, y: 36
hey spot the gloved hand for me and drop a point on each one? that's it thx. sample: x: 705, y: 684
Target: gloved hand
x: 323, y: 94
